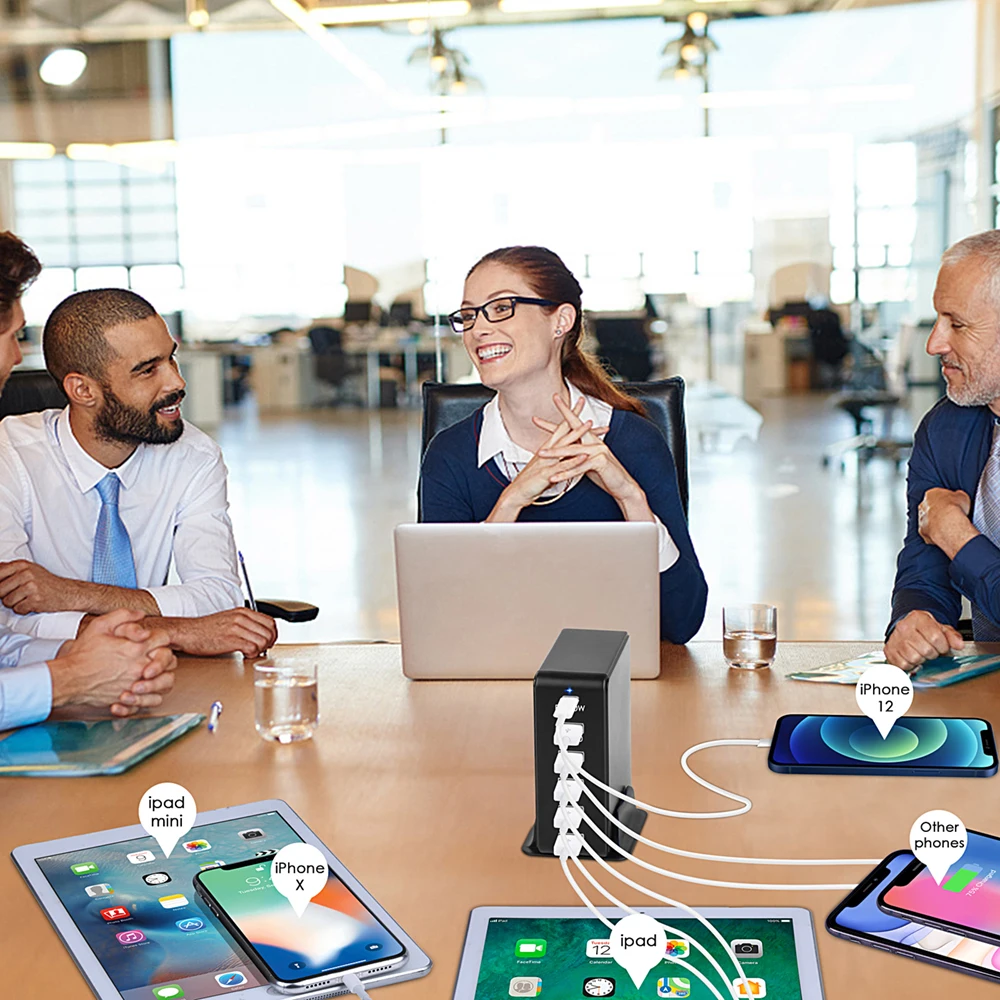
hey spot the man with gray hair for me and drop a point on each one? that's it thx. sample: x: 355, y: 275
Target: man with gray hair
x: 952, y: 545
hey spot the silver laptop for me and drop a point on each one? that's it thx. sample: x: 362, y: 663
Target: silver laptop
x: 487, y: 601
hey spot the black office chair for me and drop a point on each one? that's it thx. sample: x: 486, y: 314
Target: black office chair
x: 447, y: 404
x: 332, y: 364
x: 31, y: 391
x: 865, y: 394
x: 623, y: 347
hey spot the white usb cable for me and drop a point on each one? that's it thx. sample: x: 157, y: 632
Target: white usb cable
x: 610, y: 926
x: 566, y: 707
x: 352, y: 982
x: 670, y: 930
x: 571, y: 840
x: 578, y: 841
x: 576, y: 771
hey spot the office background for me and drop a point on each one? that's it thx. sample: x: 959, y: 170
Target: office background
x: 258, y: 181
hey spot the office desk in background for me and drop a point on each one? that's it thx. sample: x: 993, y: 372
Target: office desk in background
x: 425, y: 790
x: 398, y: 341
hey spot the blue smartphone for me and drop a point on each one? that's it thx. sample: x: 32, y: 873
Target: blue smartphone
x: 851, y: 744
x: 858, y: 918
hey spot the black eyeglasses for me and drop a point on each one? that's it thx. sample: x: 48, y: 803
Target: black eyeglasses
x: 496, y: 311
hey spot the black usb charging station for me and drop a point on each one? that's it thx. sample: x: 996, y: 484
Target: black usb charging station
x: 593, y: 665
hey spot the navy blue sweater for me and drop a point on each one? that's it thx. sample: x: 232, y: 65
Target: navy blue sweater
x: 454, y: 489
x: 950, y: 450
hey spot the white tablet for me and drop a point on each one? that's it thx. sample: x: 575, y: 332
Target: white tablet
x: 137, y: 930
x: 561, y: 952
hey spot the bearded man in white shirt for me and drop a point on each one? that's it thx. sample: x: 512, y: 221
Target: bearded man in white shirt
x: 117, y: 664
x: 98, y: 500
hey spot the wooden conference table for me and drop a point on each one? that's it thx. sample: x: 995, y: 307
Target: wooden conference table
x: 425, y: 790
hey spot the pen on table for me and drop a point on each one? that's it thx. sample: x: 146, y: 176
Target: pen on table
x: 213, y: 716
x: 246, y: 578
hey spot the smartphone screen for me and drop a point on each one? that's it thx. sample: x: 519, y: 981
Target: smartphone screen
x: 853, y: 742
x: 968, y: 898
x: 335, y: 933
x: 859, y: 918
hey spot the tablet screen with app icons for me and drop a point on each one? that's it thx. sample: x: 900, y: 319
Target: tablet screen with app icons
x: 140, y: 914
x: 554, y: 957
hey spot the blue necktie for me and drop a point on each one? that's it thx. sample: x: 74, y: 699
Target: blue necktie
x: 113, y: 563
x: 986, y: 518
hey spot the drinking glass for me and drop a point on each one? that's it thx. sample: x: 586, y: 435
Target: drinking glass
x: 749, y: 635
x: 286, y: 703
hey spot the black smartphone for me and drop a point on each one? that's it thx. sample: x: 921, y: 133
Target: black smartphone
x: 858, y: 918
x: 852, y: 744
x: 337, y: 933
x: 966, y: 902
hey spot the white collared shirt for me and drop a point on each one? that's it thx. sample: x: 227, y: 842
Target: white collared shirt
x: 496, y: 443
x: 172, y: 501
x: 25, y: 681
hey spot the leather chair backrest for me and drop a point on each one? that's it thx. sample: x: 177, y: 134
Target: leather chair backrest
x: 29, y: 392
x: 325, y: 340
x: 447, y: 404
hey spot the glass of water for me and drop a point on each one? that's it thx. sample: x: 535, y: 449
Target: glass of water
x: 286, y: 703
x: 749, y: 635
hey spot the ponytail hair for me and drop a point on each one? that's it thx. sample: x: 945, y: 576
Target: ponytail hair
x: 549, y: 278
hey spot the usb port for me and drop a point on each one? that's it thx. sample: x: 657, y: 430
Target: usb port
x: 572, y: 734
x: 575, y: 761
x: 573, y: 790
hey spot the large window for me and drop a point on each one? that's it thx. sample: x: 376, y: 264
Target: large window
x: 92, y: 213
x: 95, y: 224
x: 873, y: 238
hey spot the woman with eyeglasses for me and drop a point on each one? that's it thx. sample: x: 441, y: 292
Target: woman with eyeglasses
x: 559, y: 441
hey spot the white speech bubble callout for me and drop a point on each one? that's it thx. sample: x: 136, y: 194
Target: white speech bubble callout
x: 167, y: 811
x: 884, y: 693
x: 938, y: 838
x: 298, y: 872
x: 638, y: 943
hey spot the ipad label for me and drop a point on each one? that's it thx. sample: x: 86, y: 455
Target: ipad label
x: 167, y: 811
x: 638, y: 944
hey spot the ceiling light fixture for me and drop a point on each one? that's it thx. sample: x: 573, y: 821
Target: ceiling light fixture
x: 27, y: 151
x: 129, y: 153
x: 689, y: 54
x: 197, y: 14
x: 546, y: 6
x: 404, y: 10
x: 448, y: 65
x: 63, y: 67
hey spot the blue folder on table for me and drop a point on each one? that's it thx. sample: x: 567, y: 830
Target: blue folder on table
x: 76, y: 748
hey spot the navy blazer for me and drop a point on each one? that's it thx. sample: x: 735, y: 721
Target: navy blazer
x: 950, y: 451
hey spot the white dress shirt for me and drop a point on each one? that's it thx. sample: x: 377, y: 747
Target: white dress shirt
x: 511, y: 458
x: 25, y: 681
x: 172, y: 501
